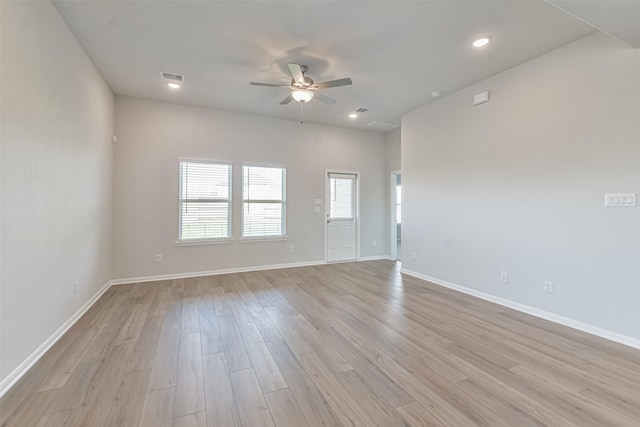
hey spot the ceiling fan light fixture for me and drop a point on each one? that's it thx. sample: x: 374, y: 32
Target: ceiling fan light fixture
x: 302, y: 95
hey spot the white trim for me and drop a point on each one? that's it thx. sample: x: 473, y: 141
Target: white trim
x: 393, y: 226
x: 375, y: 258
x: 210, y: 161
x: 362, y: 259
x: 24, y: 367
x: 213, y: 272
x: 358, y: 234
x: 342, y: 175
x: 265, y: 165
x: 556, y: 318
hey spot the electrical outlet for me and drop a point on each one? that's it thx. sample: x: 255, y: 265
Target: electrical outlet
x: 291, y: 249
x: 75, y: 286
x: 413, y: 255
x: 375, y: 243
x: 548, y: 286
x: 158, y: 257
x: 504, y: 276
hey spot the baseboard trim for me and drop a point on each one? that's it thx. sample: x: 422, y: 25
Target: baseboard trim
x: 556, y: 318
x: 374, y: 258
x: 142, y: 279
x: 24, y: 367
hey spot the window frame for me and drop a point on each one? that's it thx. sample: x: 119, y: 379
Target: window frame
x: 214, y: 240
x: 283, y: 202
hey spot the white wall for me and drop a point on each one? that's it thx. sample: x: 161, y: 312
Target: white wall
x: 393, y: 150
x: 57, y: 122
x: 393, y: 164
x: 518, y: 185
x: 152, y: 135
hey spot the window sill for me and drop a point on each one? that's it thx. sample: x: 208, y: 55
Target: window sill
x: 263, y: 239
x: 203, y: 242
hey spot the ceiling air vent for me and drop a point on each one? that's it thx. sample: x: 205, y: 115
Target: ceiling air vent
x: 362, y: 110
x: 174, y: 77
x: 384, y: 126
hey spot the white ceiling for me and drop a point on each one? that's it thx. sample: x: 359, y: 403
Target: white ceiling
x: 395, y: 52
x: 618, y: 18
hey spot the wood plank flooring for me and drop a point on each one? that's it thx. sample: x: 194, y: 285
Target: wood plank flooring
x: 334, y: 345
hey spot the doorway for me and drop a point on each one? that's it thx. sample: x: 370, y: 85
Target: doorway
x: 342, y: 216
x: 396, y: 215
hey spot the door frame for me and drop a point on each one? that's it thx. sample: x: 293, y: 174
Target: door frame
x: 393, y: 228
x: 326, y: 212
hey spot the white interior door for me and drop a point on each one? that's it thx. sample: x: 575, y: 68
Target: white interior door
x: 341, y: 217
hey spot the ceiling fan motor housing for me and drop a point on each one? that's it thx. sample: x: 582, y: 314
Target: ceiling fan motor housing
x: 308, y: 81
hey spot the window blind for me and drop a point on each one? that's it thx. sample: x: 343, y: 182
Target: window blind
x: 205, y: 200
x: 263, y: 210
x: 341, y: 194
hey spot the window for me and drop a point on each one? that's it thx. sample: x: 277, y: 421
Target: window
x: 341, y: 193
x: 205, y: 201
x: 263, y: 201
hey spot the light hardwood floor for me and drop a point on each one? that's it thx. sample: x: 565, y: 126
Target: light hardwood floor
x: 337, y: 345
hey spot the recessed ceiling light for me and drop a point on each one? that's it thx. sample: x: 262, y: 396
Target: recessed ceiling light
x: 481, y: 42
x: 174, y: 85
x: 353, y: 116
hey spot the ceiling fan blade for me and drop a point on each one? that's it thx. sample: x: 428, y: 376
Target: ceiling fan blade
x: 334, y: 83
x: 324, y: 98
x: 287, y: 100
x: 296, y: 73
x: 267, y: 84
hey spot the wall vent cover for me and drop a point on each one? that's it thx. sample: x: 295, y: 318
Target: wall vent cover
x: 171, y: 76
x: 362, y: 110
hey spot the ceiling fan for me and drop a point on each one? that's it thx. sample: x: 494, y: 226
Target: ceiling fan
x: 303, y: 88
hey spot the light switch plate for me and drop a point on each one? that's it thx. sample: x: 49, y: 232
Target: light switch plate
x: 620, y: 200
x: 317, y: 202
